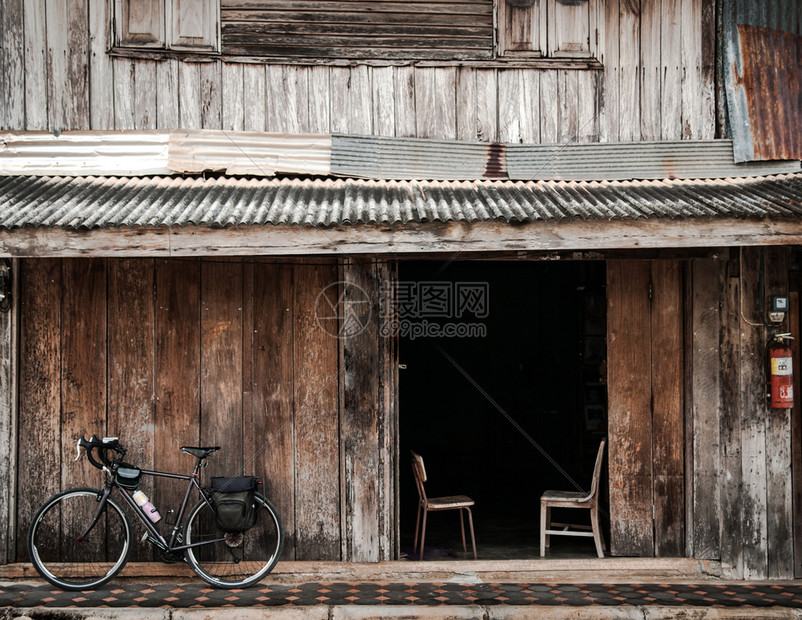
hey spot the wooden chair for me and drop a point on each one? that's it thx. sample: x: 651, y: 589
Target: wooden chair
x: 431, y: 504
x: 573, y: 499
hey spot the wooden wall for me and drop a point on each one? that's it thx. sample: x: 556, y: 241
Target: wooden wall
x: 166, y: 353
x: 700, y: 466
x: 657, y: 84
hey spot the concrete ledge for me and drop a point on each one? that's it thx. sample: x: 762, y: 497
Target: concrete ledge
x: 591, y: 570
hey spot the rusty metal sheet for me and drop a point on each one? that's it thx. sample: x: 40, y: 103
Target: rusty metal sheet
x: 764, y: 94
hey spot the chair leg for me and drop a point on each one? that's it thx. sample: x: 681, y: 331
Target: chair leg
x: 597, y: 534
x: 423, y: 533
x: 462, y: 529
x: 470, y: 524
x: 417, y: 530
x: 543, y: 510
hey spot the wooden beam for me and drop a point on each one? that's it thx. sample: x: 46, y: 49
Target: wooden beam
x: 433, y: 237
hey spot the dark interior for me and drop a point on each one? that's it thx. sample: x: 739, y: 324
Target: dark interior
x: 525, y: 413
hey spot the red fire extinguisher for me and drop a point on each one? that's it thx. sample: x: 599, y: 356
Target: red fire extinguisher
x: 781, y: 377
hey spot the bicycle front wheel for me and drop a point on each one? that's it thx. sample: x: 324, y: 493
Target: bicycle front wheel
x: 58, y: 555
x: 227, y: 560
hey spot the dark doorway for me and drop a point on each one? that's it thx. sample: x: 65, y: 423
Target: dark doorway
x: 503, y: 400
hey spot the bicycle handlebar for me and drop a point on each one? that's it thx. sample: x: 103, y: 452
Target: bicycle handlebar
x: 102, y: 446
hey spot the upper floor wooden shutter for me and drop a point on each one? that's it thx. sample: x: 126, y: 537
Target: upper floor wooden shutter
x: 572, y: 28
x: 193, y: 24
x: 522, y: 27
x: 140, y: 23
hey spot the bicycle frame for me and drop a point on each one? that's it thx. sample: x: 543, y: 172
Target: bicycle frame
x: 155, y: 538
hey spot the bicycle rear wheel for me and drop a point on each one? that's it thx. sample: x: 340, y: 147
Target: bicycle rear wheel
x: 235, y: 560
x: 53, y: 540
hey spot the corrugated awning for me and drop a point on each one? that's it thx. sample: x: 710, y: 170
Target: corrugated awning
x: 161, y: 201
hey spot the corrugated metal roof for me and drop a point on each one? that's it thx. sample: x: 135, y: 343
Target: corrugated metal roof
x: 376, y: 157
x: 98, y: 202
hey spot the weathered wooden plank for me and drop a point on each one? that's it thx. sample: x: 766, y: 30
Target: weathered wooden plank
x: 425, y: 102
x: 287, y: 99
x: 177, y: 371
x: 319, y: 100
x: 587, y: 100
x: 131, y: 380
x: 651, y: 16
x: 58, y: 90
x: 486, y: 105
x: 705, y: 389
x: 667, y: 408
x: 124, y: 93
x: 190, y: 113
x: 629, y: 96
x: 568, y: 96
x: 383, y: 84
x: 255, y: 97
x: 317, y: 446
x: 549, y: 107
x: 753, y: 423
x: 167, y: 97
x: 466, y: 104
x: 509, y: 106
x: 340, y: 80
x: 794, y: 309
x: 405, y: 124
x: 271, y: 444
x: 12, y: 115
x: 83, y: 374
x: 671, y: 69
x: 708, y: 85
x: 101, y: 73
x: 211, y: 95
x: 35, y: 65
x: 609, y: 57
x: 145, y: 94
x: 233, y: 95
x: 731, y: 474
x: 387, y: 371
x: 629, y: 409
x: 779, y: 493
x: 39, y: 452
x: 691, y: 80
x: 9, y: 365
x: 221, y: 364
x: 445, y: 101
x: 360, y: 120
x: 359, y: 426
x: 83, y: 360
x: 77, y: 75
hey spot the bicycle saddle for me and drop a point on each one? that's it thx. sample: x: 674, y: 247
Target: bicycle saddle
x: 201, y: 453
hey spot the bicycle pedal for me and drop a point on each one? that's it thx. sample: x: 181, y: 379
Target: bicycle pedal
x: 144, y: 538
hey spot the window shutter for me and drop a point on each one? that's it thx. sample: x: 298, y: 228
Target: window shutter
x: 572, y: 28
x: 522, y: 27
x: 140, y: 23
x: 193, y: 24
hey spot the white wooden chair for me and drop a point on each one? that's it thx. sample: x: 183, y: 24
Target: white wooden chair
x: 432, y: 504
x: 573, y: 499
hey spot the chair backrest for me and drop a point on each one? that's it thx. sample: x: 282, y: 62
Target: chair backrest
x: 594, y: 485
x: 420, y: 475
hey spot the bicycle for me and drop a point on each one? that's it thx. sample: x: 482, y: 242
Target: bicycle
x: 80, y: 539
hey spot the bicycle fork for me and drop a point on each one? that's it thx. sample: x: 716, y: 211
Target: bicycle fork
x: 101, y: 507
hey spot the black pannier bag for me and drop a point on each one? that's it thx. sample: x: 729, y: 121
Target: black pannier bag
x: 128, y: 476
x: 234, y: 502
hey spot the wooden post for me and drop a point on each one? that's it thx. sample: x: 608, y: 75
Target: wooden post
x: 8, y: 419
x: 367, y: 425
x: 705, y: 395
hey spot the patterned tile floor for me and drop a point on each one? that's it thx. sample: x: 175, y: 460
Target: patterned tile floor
x: 374, y: 593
